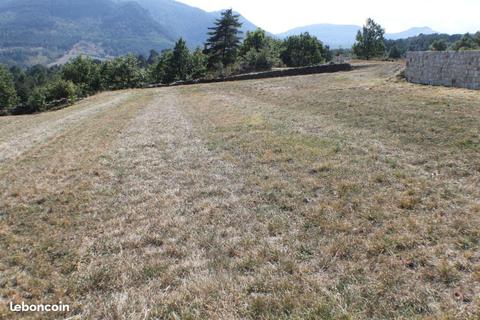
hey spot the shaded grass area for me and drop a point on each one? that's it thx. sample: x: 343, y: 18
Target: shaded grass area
x: 343, y: 196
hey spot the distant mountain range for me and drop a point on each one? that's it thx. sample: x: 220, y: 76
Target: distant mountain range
x: 412, y: 32
x: 38, y: 31
x: 343, y: 36
x: 185, y: 21
x: 334, y: 35
x: 53, y: 31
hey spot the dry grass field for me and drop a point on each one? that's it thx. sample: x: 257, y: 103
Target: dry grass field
x: 341, y: 196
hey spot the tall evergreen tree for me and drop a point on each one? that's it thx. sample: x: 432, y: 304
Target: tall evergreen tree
x: 224, y: 40
x: 370, y: 41
x: 199, y: 64
x: 158, y: 70
x: 179, y: 65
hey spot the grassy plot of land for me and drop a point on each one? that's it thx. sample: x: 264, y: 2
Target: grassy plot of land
x: 339, y: 196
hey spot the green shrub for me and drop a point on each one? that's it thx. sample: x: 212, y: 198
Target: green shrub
x: 394, y: 53
x: 199, y: 64
x: 257, y: 60
x: 439, y: 45
x: 84, y: 73
x: 8, y: 95
x: 302, y: 50
x: 37, y: 100
x: 370, y: 41
x: 61, y: 89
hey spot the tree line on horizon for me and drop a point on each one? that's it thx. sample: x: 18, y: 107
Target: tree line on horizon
x: 434, y: 42
x: 371, y: 43
x: 40, y: 88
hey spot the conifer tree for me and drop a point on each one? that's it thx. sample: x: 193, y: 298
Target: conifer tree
x: 199, y: 64
x: 224, y: 40
x: 181, y: 60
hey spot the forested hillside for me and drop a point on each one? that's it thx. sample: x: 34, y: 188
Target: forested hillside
x: 42, y: 31
x: 227, y: 51
x: 39, y: 31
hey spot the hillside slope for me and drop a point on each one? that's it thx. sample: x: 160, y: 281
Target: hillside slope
x: 53, y: 27
x: 412, y: 32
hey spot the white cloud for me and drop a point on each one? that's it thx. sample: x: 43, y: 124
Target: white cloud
x: 276, y: 16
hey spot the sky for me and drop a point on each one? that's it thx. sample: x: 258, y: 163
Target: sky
x: 459, y: 16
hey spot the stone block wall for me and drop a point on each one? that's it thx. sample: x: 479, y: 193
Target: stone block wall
x: 448, y: 68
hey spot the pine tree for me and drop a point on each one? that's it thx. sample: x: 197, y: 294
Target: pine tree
x: 179, y: 65
x: 224, y: 40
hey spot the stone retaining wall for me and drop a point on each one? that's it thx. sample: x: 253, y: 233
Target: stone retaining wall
x: 325, y: 68
x: 448, y: 68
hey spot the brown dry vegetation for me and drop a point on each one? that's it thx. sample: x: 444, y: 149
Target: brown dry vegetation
x: 341, y: 196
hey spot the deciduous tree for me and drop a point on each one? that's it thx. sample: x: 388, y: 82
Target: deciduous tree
x: 256, y: 40
x: 84, y: 73
x: 438, y: 45
x: 467, y: 42
x: 125, y: 72
x: 302, y: 50
x: 370, y: 41
x: 8, y: 95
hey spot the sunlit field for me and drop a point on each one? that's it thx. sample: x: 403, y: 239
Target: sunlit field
x: 352, y: 195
